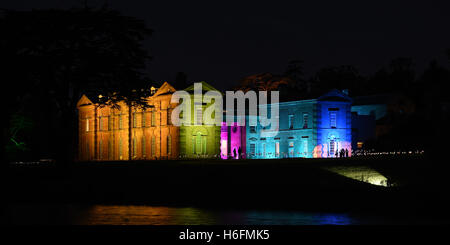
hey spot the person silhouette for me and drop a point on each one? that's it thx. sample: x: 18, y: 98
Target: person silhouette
x: 240, y: 152
x: 346, y: 152
x: 234, y: 153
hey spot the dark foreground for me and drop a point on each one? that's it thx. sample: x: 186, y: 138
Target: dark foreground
x: 302, y: 186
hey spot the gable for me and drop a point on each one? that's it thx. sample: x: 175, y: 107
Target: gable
x: 335, y: 95
x: 205, y: 87
x: 84, y: 100
x: 164, y: 89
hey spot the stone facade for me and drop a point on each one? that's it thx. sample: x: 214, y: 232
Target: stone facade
x: 307, y: 128
x: 107, y: 133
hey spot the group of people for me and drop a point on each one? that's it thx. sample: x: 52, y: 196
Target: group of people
x: 342, y: 153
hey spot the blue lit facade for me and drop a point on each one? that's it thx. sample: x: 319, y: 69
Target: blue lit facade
x: 307, y: 128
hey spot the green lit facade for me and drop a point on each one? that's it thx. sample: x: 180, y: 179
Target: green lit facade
x: 199, y: 141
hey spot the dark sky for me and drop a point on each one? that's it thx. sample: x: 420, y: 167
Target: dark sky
x: 221, y: 43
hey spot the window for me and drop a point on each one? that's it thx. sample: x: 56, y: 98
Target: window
x: 291, y: 121
x: 144, y: 151
x: 120, y: 148
x: 199, y: 116
x: 110, y: 150
x: 153, y: 119
x: 110, y: 123
x: 153, y: 146
x: 169, y: 145
x: 333, y: 119
x: 198, y: 143
x: 204, y: 144
x: 252, y: 129
x: 134, y: 147
x: 100, y: 149
x: 305, y: 120
x: 87, y: 124
x: 100, y: 123
x: 305, y: 146
x: 277, y: 148
x: 134, y: 120
x: 332, y: 148
x: 120, y: 122
x: 360, y: 144
x: 169, y: 118
x: 143, y: 119
x: 264, y: 150
x: 252, y: 149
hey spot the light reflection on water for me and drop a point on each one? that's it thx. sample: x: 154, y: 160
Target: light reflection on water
x: 73, y: 214
x: 148, y: 215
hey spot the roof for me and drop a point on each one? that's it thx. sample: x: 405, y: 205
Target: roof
x: 335, y: 95
x: 205, y: 87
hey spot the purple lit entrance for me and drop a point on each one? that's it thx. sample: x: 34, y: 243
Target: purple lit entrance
x: 232, y: 141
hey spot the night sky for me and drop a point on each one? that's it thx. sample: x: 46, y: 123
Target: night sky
x: 221, y: 43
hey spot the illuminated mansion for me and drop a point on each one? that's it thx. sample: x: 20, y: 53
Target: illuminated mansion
x: 317, y: 128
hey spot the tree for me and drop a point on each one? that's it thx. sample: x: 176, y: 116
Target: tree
x: 51, y: 57
x: 339, y: 77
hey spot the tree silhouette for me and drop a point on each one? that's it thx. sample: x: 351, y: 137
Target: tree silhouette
x: 339, y: 77
x: 51, y: 57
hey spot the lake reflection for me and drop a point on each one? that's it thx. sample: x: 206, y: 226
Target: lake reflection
x: 148, y: 215
x: 73, y: 214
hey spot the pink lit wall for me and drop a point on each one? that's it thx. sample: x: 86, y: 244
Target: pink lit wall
x: 232, y: 138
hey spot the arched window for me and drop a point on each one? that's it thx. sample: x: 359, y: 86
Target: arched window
x: 198, y: 143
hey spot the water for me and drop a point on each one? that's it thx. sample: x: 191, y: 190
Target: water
x: 56, y: 214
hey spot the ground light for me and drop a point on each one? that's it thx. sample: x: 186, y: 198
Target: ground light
x: 360, y: 173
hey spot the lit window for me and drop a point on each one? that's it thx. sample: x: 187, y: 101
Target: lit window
x: 264, y: 150
x: 153, y: 146
x: 169, y: 119
x: 305, y: 120
x: 110, y: 150
x: 134, y: 147
x: 143, y: 146
x: 291, y: 121
x: 252, y: 149
x: 332, y: 148
x: 143, y: 119
x: 110, y: 123
x: 100, y: 149
x: 277, y: 148
x: 87, y: 125
x: 360, y: 144
x: 120, y: 148
x: 153, y: 119
x: 100, y: 123
x: 252, y: 129
x: 120, y: 122
x: 135, y: 120
x: 199, y: 116
x: 169, y: 145
x: 305, y: 146
x: 333, y: 119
